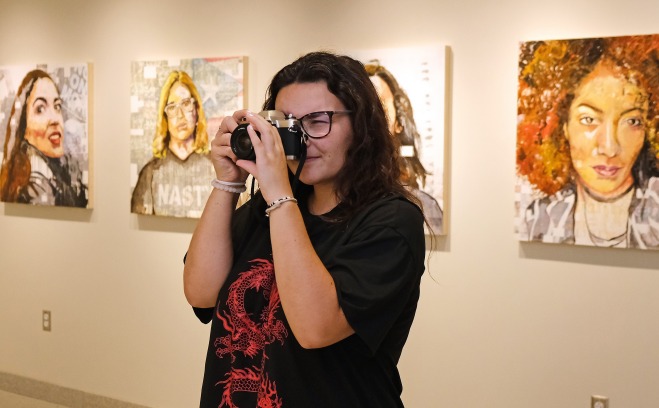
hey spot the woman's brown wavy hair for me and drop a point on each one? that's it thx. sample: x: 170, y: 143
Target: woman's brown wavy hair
x: 371, y: 170
x: 16, y: 169
x: 405, y: 130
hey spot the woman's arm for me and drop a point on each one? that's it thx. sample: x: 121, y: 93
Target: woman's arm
x: 307, y: 290
x: 210, y: 255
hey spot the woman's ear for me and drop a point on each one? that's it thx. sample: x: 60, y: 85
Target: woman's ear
x: 398, y: 128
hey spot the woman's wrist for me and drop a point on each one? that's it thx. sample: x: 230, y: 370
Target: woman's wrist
x: 278, y: 203
x: 229, y: 186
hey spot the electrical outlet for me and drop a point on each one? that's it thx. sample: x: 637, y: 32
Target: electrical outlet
x: 46, y: 320
x: 598, y: 401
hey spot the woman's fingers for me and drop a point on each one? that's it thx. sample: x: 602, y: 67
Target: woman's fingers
x: 267, y: 141
x: 269, y: 168
x: 222, y: 156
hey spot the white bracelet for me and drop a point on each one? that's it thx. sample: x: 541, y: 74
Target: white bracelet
x: 275, y: 204
x: 230, y: 186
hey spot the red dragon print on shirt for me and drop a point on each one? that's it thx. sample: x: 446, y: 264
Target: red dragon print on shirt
x: 250, y: 337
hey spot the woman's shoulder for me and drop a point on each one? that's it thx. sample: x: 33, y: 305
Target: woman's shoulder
x: 550, y: 211
x: 393, y: 211
x: 649, y: 194
x: 562, y: 200
x: 653, y: 184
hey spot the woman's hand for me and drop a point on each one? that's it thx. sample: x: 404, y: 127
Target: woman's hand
x: 270, y: 168
x: 223, y: 158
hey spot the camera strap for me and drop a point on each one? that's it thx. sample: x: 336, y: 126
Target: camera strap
x: 303, y: 158
x: 296, y: 178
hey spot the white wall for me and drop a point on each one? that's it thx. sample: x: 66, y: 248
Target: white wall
x: 500, y: 324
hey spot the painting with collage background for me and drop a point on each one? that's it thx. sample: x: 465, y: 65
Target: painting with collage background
x: 176, y: 108
x: 44, y: 135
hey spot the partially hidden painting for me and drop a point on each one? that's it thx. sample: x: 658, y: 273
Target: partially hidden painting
x: 411, y: 83
x: 45, y: 135
x: 587, y: 147
x: 176, y: 109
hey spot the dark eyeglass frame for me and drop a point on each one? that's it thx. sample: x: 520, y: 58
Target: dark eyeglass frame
x: 330, y: 115
x: 179, y: 105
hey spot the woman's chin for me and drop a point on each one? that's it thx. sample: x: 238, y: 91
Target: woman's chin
x: 54, y: 153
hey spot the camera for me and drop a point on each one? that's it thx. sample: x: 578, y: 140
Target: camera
x: 289, y: 130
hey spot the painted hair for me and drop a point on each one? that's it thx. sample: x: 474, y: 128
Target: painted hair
x: 15, y: 171
x: 549, y: 74
x: 405, y: 130
x: 161, y: 139
x: 371, y: 168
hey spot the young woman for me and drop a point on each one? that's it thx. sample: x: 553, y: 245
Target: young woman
x: 311, y: 292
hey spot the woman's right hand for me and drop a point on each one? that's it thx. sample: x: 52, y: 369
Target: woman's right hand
x: 223, y: 158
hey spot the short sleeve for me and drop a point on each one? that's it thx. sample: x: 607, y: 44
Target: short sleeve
x: 205, y: 315
x: 377, y: 271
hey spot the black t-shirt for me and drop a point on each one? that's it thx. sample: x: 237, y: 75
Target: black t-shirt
x: 376, y: 261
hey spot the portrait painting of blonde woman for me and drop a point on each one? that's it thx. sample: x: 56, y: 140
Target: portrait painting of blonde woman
x: 176, y: 109
x: 411, y: 85
x: 44, y: 135
x: 587, y: 147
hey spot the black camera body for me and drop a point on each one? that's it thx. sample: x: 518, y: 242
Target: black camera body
x: 289, y: 130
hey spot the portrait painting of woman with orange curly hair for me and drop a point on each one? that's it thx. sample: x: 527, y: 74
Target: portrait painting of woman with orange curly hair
x: 587, y: 147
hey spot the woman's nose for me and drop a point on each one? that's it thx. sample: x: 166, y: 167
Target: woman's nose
x: 55, y: 117
x: 607, y: 140
x: 179, y: 112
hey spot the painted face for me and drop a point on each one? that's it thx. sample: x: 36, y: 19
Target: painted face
x: 45, y: 124
x: 606, y: 131
x: 181, y: 113
x: 387, y: 98
x: 325, y: 156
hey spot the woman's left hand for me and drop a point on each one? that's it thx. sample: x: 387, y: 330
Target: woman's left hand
x: 270, y: 168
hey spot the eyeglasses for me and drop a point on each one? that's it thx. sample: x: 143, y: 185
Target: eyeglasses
x: 318, y: 124
x: 186, y: 105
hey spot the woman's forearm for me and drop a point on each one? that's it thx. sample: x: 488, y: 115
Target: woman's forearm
x: 306, y: 288
x: 210, y: 254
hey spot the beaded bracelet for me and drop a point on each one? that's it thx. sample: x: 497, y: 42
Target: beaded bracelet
x: 230, y: 186
x: 275, y: 204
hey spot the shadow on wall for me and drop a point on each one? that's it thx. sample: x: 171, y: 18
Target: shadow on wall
x: 48, y: 212
x: 622, y: 258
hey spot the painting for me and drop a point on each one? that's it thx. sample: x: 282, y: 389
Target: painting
x: 411, y: 82
x: 45, y: 135
x: 176, y: 109
x: 587, y: 159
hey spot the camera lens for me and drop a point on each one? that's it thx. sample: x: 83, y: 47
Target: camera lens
x: 240, y: 143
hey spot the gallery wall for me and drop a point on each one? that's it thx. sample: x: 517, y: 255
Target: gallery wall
x: 500, y: 324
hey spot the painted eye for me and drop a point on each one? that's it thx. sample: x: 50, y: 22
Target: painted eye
x: 635, y: 122
x: 187, y: 104
x: 586, y: 120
